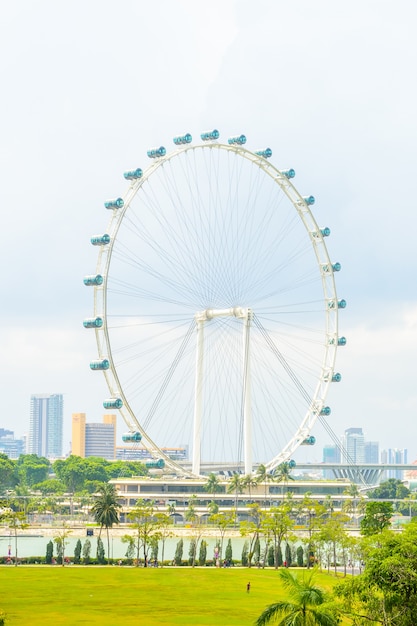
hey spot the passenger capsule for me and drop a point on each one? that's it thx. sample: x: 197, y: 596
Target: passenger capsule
x: 159, y: 464
x: 309, y: 200
x: 336, y: 378
x: 132, y: 437
x: 113, y: 403
x: 288, y: 173
x: 266, y: 154
x: 182, y: 139
x: 326, y: 410
x: 100, y: 240
x: 325, y: 231
x: 93, y: 322
x: 292, y: 463
x: 341, y: 341
x: 210, y: 135
x: 237, y: 141
x: 92, y: 281
x: 155, y: 153
x: 336, y: 267
x: 309, y: 441
x: 114, y: 204
x: 100, y: 364
x: 133, y: 174
x: 341, y: 304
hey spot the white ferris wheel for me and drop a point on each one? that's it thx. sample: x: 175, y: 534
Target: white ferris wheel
x: 215, y: 307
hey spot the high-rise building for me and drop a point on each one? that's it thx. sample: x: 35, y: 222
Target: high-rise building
x: 9, y: 445
x: 331, y: 454
x: 94, y: 439
x: 371, y: 452
x: 394, y: 456
x: 353, y: 446
x: 45, y: 428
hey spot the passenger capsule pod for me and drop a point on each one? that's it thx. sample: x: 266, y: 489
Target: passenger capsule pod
x: 309, y: 200
x: 155, y: 153
x: 100, y: 364
x: 237, y: 141
x: 288, y: 173
x: 309, y: 441
x: 326, y: 410
x: 94, y: 280
x: 336, y: 378
x: 266, y: 154
x: 210, y: 135
x: 182, y: 139
x: 341, y: 304
x: 132, y: 437
x: 93, y: 322
x: 292, y: 463
x: 133, y: 174
x: 336, y: 267
x: 341, y: 341
x: 159, y: 464
x: 325, y: 231
x: 113, y: 403
x: 118, y: 203
x: 100, y: 240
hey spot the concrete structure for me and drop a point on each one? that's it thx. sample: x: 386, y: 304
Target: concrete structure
x: 94, y: 439
x: 139, y: 453
x: 45, y: 428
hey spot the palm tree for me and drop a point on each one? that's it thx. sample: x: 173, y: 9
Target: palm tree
x: 248, y: 482
x: 307, y: 605
x: 263, y: 476
x: 105, y: 511
x: 282, y: 473
x: 235, y: 486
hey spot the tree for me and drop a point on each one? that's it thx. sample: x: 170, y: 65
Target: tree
x: 16, y: 521
x: 32, y: 469
x: 202, y: 557
x: 236, y: 487
x: 307, y: 605
x: 101, y: 556
x: 228, y: 555
x: 86, y: 551
x: 300, y: 556
x: 391, y: 489
x: 213, y: 484
x: 278, y: 523
x: 377, y: 517
x: 143, y: 519
x: 386, y: 591
x: 49, y: 552
x: 222, y: 521
x: 245, y: 554
x: 7, y: 473
x: 192, y: 551
x: 178, y: 552
x: 164, y: 522
x: 252, y: 529
x: 77, y: 552
x: 61, y: 543
x: 263, y: 476
x: 282, y: 474
x: 248, y: 482
x: 105, y: 511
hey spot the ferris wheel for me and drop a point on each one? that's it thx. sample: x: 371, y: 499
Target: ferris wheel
x: 215, y: 307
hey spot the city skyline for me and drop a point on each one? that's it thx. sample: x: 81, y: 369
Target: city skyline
x: 329, y: 88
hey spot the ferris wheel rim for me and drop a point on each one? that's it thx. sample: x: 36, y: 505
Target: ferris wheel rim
x: 329, y: 294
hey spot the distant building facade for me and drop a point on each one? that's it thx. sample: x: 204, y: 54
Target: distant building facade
x: 94, y: 439
x: 11, y: 446
x: 353, y: 446
x: 394, y: 456
x: 46, y: 425
x: 371, y: 449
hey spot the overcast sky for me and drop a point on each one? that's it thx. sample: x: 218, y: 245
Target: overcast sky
x: 87, y: 87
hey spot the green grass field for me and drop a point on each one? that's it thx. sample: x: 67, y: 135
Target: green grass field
x: 119, y: 595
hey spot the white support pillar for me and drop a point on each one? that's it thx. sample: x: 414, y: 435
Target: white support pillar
x: 198, y: 396
x: 247, y: 403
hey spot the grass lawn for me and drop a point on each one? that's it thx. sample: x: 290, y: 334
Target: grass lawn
x: 120, y: 595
